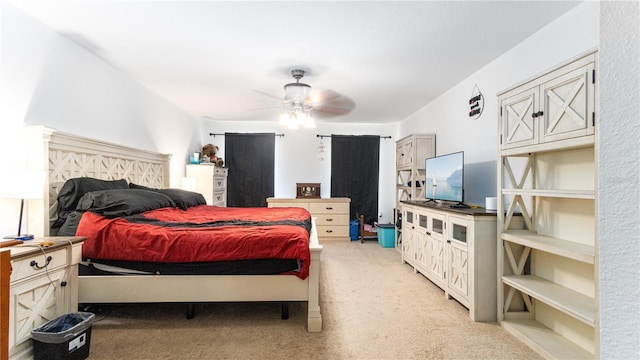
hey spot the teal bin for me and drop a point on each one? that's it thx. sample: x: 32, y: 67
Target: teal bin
x: 385, y: 235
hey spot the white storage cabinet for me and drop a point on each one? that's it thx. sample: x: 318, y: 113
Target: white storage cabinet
x: 411, y: 153
x: 44, y: 286
x: 456, y: 250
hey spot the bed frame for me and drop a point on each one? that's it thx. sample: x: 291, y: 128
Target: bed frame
x: 64, y: 156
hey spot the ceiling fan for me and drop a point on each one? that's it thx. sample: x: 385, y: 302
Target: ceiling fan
x: 300, y: 105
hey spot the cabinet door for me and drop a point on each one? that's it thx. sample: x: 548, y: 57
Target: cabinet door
x: 408, y: 232
x: 399, y: 154
x: 34, y: 302
x: 435, y: 246
x: 404, y: 153
x: 420, y: 240
x: 517, y: 116
x: 458, y: 256
x: 568, y: 106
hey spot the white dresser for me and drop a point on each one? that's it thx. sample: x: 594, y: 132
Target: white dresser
x: 211, y: 182
x: 43, y: 286
x: 332, y: 214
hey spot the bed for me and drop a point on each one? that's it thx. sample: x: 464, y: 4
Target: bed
x: 366, y: 231
x: 66, y: 156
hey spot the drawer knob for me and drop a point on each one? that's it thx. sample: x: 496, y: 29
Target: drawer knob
x: 34, y: 263
x: 329, y: 208
x: 329, y: 231
x: 329, y: 219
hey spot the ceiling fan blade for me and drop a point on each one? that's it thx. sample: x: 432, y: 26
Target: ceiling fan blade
x: 328, y: 95
x: 267, y: 94
x: 264, y: 108
x: 332, y: 110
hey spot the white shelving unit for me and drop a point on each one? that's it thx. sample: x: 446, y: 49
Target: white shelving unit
x: 547, y: 291
x: 411, y: 152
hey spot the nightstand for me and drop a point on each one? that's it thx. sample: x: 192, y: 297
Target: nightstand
x: 43, y: 286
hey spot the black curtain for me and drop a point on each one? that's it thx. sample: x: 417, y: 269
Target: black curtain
x: 250, y: 159
x: 354, y: 173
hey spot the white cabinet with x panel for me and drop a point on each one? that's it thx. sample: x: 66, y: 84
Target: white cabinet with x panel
x: 547, y: 293
x: 44, y: 285
x: 559, y: 105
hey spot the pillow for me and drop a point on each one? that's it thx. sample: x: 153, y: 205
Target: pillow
x: 74, y: 189
x: 123, y: 202
x: 71, y: 224
x: 141, y: 187
x: 184, y: 199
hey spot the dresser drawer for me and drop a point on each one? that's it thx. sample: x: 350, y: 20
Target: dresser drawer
x: 332, y: 219
x: 219, y: 182
x: 219, y: 171
x: 23, y: 269
x: 329, y: 208
x: 289, y: 204
x: 326, y: 231
x: 219, y: 203
x: 218, y: 198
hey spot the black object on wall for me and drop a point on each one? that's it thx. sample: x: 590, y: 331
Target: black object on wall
x: 355, y: 163
x: 250, y: 159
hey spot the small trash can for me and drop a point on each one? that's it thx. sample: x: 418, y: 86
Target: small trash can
x: 354, y: 229
x: 64, y: 338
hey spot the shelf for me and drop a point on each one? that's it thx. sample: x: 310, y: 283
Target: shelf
x: 569, y: 249
x: 569, y: 194
x: 567, y: 144
x: 572, y: 303
x: 545, y: 340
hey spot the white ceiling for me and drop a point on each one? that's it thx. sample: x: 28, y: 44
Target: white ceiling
x: 212, y: 58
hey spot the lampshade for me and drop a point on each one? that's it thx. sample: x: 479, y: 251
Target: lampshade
x: 23, y: 184
x: 296, y: 91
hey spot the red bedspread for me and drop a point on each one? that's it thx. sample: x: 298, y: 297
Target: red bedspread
x: 199, y: 234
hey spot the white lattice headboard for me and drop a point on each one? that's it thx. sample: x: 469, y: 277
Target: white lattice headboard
x: 65, y: 156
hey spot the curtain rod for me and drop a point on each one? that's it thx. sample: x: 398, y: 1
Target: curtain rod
x: 324, y: 136
x: 214, y: 135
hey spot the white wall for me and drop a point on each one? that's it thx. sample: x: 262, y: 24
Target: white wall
x: 618, y: 169
x: 297, y: 158
x: 447, y: 116
x: 45, y: 79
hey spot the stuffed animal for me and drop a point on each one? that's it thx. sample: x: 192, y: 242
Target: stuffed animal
x: 210, y: 151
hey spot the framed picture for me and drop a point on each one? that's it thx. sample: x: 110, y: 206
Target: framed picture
x: 307, y: 190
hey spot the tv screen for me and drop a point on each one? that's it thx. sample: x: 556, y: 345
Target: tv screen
x: 444, y: 177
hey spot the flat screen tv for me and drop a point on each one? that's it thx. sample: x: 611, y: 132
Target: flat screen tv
x: 444, y: 177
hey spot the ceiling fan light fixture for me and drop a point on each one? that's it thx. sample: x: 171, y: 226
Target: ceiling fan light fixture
x: 296, y: 91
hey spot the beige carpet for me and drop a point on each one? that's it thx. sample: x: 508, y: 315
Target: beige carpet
x: 373, y: 307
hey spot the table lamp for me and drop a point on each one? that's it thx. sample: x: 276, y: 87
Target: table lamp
x: 23, y: 185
